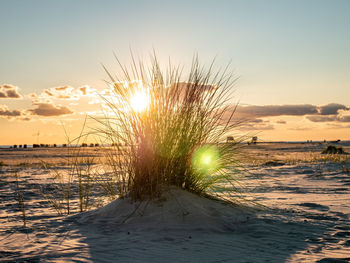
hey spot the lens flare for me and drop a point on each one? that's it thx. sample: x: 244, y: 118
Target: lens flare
x: 206, y: 159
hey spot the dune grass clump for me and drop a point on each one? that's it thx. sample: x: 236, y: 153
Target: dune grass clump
x: 165, y: 127
x: 331, y: 149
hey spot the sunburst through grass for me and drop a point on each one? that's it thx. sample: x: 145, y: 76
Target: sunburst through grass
x: 166, y: 127
x: 139, y: 101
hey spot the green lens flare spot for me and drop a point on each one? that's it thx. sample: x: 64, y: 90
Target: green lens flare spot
x: 206, y: 159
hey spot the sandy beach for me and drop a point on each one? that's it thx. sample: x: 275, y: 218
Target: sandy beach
x: 303, y: 214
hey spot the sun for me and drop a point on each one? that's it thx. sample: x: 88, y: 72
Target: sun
x: 139, y: 101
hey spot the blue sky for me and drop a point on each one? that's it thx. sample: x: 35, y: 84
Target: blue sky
x: 277, y: 47
x: 285, y: 52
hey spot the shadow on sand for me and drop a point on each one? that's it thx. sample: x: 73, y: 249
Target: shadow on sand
x: 263, y: 237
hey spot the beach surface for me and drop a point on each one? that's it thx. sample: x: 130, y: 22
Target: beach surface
x: 302, y: 213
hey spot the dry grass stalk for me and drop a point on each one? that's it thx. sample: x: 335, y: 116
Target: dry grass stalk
x: 20, y: 200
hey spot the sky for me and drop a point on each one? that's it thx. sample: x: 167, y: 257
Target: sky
x: 291, y: 57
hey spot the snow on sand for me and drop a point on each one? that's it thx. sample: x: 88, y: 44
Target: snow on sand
x: 306, y: 220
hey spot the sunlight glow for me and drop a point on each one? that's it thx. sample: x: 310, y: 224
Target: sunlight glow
x: 139, y: 101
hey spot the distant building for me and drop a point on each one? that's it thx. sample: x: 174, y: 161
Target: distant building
x: 254, y: 139
x: 230, y: 139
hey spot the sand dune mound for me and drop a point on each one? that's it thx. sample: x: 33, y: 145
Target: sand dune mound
x: 177, y: 209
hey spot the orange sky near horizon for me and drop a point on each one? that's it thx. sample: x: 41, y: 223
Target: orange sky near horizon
x: 60, y: 110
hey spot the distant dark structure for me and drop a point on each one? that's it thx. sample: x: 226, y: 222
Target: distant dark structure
x: 84, y: 144
x: 230, y: 139
x: 55, y: 145
x: 92, y: 145
x: 254, y: 140
x: 331, y: 149
x: 15, y: 146
x: 25, y: 146
x: 36, y: 145
x: 97, y: 145
x: 64, y: 145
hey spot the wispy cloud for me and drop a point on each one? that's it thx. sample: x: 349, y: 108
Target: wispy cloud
x: 255, y: 117
x: 7, y: 113
x: 332, y: 118
x: 86, y: 90
x: 281, y: 122
x: 8, y: 91
x: 44, y: 109
x: 49, y: 109
x: 22, y: 115
x: 332, y: 108
x: 63, y: 93
x: 259, y: 127
x: 321, y: 118
x: 254, y: 111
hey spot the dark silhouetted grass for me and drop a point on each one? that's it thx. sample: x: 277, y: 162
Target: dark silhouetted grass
x: 331, y: 149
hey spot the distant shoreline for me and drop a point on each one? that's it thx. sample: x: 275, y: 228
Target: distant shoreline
x: 347, y: 142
